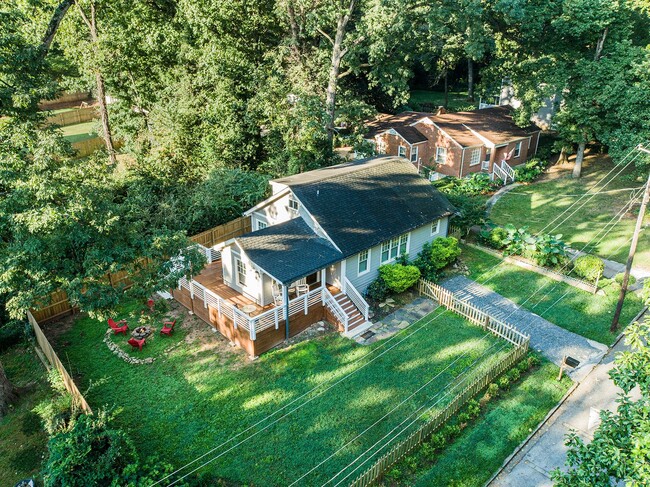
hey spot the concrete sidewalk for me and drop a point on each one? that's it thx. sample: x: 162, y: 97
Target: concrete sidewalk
x: 545, y: 450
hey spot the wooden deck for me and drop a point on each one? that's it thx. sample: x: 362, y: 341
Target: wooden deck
x: 212, y: 278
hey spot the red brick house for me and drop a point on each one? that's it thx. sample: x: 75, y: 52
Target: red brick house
x: 456, y: 144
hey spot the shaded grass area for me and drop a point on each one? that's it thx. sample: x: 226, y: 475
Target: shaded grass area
x: 80, y: 131
x: 23, y: 442
x: 457, y: 99
x: 196, y: 396
x: 540, y: 203
x: 575, y: 310
x: 484, y: 445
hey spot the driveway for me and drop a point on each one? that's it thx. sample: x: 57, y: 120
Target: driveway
x: 551, y: 340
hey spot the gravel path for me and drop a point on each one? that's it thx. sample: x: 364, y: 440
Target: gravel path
x: 551, y: 340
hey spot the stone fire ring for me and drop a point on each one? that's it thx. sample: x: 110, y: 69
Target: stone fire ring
x: 141, y: 332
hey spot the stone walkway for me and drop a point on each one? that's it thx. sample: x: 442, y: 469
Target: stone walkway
x: 497, y: 196
x: 551, y: 340
x: 398, y: 320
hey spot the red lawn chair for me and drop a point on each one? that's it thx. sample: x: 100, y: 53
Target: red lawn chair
x: 135, y: 343
x: 118, y: 326
x: 151, y: 304
x: 168, y: 328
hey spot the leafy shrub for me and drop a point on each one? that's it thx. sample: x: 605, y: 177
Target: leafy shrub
x: 438, y: 441
x: 645, y: 292
x: 493, y: 236
x: 493, y: 390
x: 550, y: 250
x: 589, y: 267
x: 89, y: 453
x: 450, y: 431
x: 464, y: 417
x: 618, y: 278
x: 473, y: 185
x: 522, y: 366
x: 473, y: 408
x: 443, y: 251
x: 519, y: 241
x: 533, y: 361
x: 504, y: 383
x: 399, y: 278
x: 56, y: 413
x: 378, y: 290
x: 513, y: 374
x: 471, y: 211
x: 530, y: 171
x: 11, y: 334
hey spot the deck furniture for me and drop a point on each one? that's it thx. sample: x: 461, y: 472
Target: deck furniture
x: 249, y: 308
x: 135, y: 343
x: 302, y: 289
x: 168, y: 328
x: 118, y: 326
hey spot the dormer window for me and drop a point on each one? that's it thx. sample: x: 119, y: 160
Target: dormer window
x: 293, y: 204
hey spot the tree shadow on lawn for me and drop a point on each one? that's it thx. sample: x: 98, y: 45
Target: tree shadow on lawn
x: 189, y: 403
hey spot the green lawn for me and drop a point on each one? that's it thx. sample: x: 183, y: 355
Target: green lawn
x: 483, y: 446
x: 22, y: 439
x: 538, y: 204
x: 80, y: 131
x: 200, y: 393
x: 457, y: 99
x: 587, y: 314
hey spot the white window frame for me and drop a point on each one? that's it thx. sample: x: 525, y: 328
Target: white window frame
x: 475, y: 157
x: 261, y: 225
x: 439, y: 151
x: 488, y: 154
x: 401, y: 151
x: 435, y: 227
x: 365, y: 259
x: 294, y: 205
x: 517, y: 151
x: 393, y: 246
x: 414, y: 152
x: 240, y: 271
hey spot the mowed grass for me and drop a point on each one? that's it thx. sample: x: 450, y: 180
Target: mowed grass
x: 23, y: 443
x: 80, y: 131
x: 586, y: 314
x: 196, y: 397
x: 484, y: 445
x: 538, y: 204
x: 457, y: 99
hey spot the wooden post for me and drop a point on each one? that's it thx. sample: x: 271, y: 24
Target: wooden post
x: 630, y: 258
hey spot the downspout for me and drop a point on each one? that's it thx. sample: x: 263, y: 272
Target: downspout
x: 285, y: 299
x: 462, y: 163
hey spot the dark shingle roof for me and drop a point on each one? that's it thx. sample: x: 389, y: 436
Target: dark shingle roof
x: 385, y: 122
x: 288, y: 251
x: 364, y: 203
x: 411, y: 134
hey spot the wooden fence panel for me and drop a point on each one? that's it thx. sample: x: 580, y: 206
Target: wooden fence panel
x: 59, y: 305
x: 53, y: 358
x: 72, y: 117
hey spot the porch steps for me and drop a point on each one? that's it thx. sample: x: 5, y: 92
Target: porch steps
x: 356, y: 322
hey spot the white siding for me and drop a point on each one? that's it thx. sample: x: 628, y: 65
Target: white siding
x: 254, y: 285
x: 417, y: 239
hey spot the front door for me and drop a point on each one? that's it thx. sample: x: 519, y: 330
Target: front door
x: 333, y: 275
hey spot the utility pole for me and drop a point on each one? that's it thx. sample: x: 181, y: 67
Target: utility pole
x: 630, y: 258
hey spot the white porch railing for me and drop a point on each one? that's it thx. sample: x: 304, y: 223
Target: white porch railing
x: 356, y: 298
x: 503, y: 171
x: 333, y: 305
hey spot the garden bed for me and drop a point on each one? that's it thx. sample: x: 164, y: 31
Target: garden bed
x: 204, y: 392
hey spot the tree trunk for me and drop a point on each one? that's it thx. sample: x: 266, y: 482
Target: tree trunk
x: 53, y: 26
x: 563, y: 157
x: 337, y: 55
x: 99, y: 81
x: 580, y: 155
x: 7, y: 392
x: 470, y: 79
x: 446, y: 102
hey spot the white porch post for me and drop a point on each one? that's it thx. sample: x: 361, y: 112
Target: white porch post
x: 285, y: 301
x: 323, y: 277
x: 343, y: 275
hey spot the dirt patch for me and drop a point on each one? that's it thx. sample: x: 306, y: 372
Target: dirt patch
x: 316, y: 330
x: 54, y: 329
x: 379, y: 310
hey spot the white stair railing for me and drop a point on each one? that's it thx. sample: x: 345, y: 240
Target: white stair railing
x: 508, y: 170
x: 357, y: 299
x: 333, y: 305
x: 499, y: 173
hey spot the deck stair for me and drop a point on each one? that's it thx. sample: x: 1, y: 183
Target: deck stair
x: 357, y: 324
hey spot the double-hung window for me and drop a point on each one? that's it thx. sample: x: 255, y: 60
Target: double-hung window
x: 475, y: 158
x: 391, y: 249
x: 414, y: 154
x: 441, y: 155
x: 364, y: 262
x: 517, y: 150
x: 401, y: 151
x: 293, y: 204
x: 261, y: 225
x: 435, y: 227
x: 241, y: 272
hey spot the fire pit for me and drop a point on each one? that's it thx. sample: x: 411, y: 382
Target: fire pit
x: 141, y: 332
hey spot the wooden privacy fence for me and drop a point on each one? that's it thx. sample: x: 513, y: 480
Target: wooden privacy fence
x: 72, y: 117
x: 52, y: 357
x: 59, y: 305
x: 473, y: 314
x: 422, y: 433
